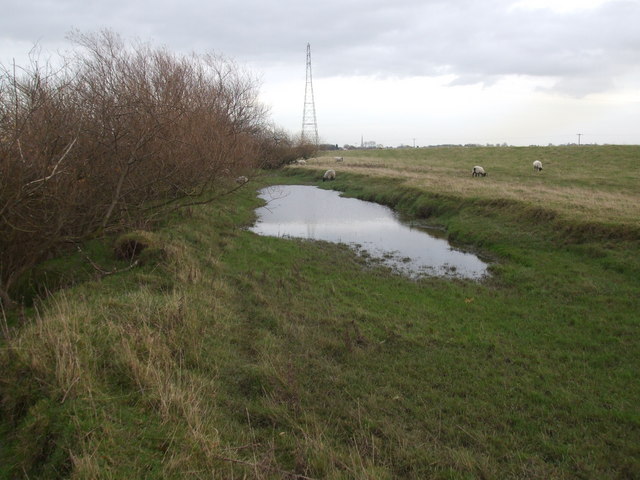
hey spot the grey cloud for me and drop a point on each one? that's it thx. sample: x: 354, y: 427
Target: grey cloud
x: 579, y: 86
x: 477, y: 41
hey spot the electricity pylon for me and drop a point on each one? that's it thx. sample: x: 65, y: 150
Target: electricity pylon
x: 309, y: 124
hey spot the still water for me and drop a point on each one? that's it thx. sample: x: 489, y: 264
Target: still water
x: 317, y: 214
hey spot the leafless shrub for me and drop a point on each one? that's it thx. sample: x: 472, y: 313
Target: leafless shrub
x: 115, y: 134
x: 278, y: 148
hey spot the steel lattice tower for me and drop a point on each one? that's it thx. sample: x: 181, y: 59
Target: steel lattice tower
x: 309, y: 124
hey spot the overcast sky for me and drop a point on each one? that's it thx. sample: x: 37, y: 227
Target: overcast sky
x: 413, y: 72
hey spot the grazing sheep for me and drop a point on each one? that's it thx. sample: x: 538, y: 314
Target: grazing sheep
x: 242, y: 179
x: 537, y: 166
x: 301, y: 162
x: 477, y: 171
x: 329, y: 175
x: 339, y: 159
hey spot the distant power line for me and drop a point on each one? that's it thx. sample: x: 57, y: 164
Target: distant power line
x: 309, y: 123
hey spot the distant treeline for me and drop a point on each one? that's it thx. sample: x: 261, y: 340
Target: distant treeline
x: 116, y: 134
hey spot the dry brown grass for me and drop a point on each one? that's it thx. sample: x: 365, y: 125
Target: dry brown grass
x: 570, y: 189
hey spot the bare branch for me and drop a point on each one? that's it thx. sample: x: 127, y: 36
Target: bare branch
x: 102, y: 271
x: 138, y: 131
x: 55, y: 168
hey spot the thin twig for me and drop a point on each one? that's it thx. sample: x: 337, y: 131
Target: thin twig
x: 102, y: 271
x: 255, y: 465
x: 201, y: 202
x: 55, y: 168
x: 191, y: 204
x: 5, y: 324
x: 64, y: 397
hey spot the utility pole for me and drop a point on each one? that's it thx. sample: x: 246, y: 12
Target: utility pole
x: 579, y: 135
x: 309, y: 124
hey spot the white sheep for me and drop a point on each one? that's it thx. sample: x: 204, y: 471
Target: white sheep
x: 301, y: 162
x: 329, y: 175
x: 477, y: 171
x: 339, y: 159
x: 537, y: 166
x: 242, y: 180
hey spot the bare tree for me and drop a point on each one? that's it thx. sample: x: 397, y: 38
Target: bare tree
x: 117, y: 132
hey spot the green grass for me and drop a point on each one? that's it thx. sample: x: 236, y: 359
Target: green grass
x: 578, y: 183
x: 234, y: 355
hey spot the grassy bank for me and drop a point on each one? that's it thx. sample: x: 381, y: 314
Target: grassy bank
x: 229, y: 355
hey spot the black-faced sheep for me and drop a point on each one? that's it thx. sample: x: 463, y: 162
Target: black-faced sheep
x: 478, y: 171
x: 242, y: 179
x: 339, y: 159
x: 537, y: 166
x: 329, y: 175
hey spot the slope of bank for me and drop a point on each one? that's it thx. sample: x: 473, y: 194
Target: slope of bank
x: 226, y: 354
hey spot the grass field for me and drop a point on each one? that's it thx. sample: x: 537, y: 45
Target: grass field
x: 588, y: 183
x: 229, y: 355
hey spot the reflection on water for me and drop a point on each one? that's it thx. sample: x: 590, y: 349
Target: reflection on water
x: 314, y: 213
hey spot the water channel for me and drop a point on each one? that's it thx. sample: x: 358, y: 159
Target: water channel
x: 317, y: 214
